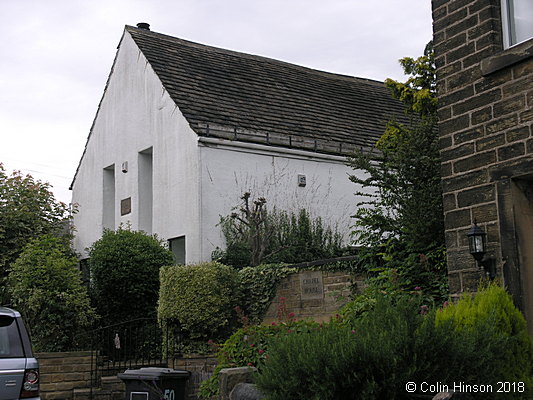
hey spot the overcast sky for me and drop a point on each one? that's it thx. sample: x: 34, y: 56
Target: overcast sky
x: 55, y: 57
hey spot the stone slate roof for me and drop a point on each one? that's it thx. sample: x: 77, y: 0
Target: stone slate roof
x: 227, y: 94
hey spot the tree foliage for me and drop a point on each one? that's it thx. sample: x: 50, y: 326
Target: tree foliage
x: 45, y: 286
x: 401, y: 224
x: 256, y: 235
x: 124, y: 267
x: 28, y: 209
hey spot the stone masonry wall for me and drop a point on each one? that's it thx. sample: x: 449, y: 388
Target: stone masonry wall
x: 201, y: 368
x: 66, y: 375
x: 485, y: 118
x: 312, y: 294
x: 62, y: 372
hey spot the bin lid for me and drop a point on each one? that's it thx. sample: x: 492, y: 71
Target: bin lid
x: 153, y: 374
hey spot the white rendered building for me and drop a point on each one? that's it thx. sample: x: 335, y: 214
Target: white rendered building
x: 184, y: 129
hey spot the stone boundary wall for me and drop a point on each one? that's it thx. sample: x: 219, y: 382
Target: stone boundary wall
x: 317, y: 295
x: 201, y: 368
x: 62, y: 372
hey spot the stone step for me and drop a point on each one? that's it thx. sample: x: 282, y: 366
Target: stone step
x: 97, y: 394
x: 112, y: 383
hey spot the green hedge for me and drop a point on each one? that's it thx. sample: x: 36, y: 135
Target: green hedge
x: 200, y: 299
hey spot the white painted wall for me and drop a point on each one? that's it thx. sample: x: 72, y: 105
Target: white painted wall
x: 195, y: 180
x: 136, y: 113
x: 228, y: 169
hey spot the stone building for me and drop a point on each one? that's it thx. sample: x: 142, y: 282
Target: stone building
x: 484, y: 63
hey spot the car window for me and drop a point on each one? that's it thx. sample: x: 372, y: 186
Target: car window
x: 10, y: 342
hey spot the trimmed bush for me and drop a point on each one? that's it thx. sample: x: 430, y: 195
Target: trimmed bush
x: 124, y: 267
x: 200, y: 299
x: 45, y: 286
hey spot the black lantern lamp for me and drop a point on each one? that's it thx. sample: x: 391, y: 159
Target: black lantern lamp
x: 477, y: 242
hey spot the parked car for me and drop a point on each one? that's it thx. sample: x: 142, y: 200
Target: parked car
x: 19, y: 370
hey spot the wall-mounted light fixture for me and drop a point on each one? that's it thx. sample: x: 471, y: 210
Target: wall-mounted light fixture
x: 125, y: 167
x: 477, y: 242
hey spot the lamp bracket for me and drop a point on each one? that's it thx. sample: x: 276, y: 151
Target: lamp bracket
x: 489, y: 266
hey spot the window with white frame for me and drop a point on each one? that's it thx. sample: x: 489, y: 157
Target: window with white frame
x: 517, y: 21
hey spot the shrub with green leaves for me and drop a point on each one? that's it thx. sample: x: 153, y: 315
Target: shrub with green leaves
x: 45, y: 286
x: 257, y: 235
x: 401, y: 222
x: 124, y: 267
x: 200, y: 299
x: 493, y: 305
x: 258, y: 286
x: 249, y: 346
x: 395, y: 342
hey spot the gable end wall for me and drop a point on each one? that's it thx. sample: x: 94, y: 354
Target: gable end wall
x: 136, y: 113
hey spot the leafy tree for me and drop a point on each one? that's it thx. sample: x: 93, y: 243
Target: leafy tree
x: 256, y: 235
x: 28, y: 209
x: 401, y: 223
x: 124, y: 267
x: 45, y: 286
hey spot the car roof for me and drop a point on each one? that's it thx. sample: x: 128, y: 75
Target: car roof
x: 10, y: 312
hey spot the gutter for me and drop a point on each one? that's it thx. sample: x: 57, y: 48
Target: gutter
x: 233, y: 145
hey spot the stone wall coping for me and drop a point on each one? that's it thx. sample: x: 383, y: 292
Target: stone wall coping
x: 63, y: 354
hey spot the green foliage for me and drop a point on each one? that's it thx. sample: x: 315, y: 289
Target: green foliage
x: 375, y: 355
x: 124, y: 267
x: 401, y: 224
x: 28, y: 209
x: 46, y: 287
x: 255, y: 235
x: 258, y: 286
x: 249, y: 346
x: 493, y: 305
x: 200, y: 299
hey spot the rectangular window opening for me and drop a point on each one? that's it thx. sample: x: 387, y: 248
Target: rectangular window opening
x: 177, y: 247
x: 146, y: 191
x: 108, y: 198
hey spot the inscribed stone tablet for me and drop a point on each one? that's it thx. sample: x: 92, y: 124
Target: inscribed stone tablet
x: 311, y: 285
x: 125, y: 206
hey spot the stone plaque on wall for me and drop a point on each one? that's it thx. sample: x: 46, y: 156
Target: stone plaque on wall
x: 311, y: 285
x: 125, y: 206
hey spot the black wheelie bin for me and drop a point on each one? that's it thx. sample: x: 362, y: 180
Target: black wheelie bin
x: 155, y: 383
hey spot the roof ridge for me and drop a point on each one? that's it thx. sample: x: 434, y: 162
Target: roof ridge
x: 256, y: 57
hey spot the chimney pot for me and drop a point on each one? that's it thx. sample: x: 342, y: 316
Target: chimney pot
x: 143, y: 25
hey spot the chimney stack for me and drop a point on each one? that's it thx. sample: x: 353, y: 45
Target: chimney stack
x: 143, y: 25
